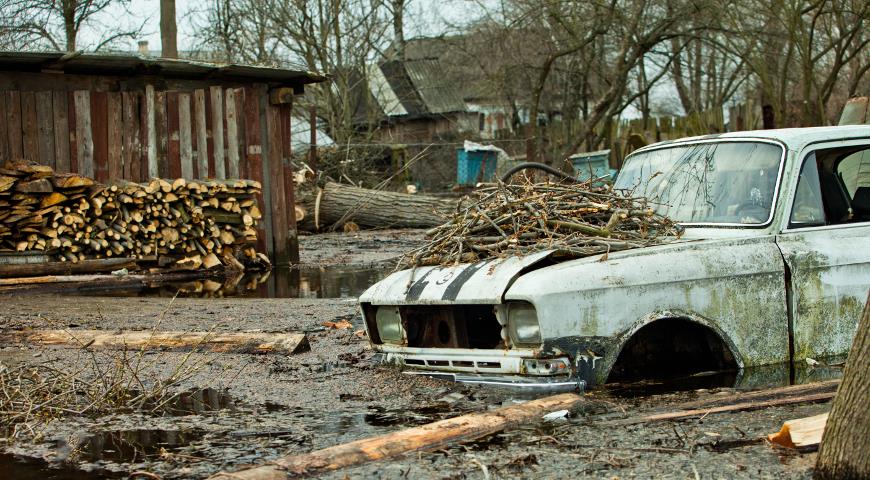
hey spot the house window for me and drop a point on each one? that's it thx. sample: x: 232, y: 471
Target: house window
x: 481, y: 121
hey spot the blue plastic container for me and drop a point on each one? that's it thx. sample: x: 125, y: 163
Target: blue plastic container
x: 470, y: 164
x: 592, y: 164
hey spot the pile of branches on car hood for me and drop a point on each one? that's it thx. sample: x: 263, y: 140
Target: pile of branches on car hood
x: 578, y: 220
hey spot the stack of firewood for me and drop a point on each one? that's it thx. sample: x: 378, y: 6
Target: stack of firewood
x: 182, y: 223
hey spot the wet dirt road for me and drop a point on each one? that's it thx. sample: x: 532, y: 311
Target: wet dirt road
x: 241, y: 408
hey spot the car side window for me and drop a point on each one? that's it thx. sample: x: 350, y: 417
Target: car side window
x: 854, y: 171
x: 808, y: 209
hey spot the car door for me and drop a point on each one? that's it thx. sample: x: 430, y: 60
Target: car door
x: 826, y: 247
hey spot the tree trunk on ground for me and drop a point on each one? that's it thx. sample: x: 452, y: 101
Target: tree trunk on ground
x: 843, y: 453
x: 340, y: 204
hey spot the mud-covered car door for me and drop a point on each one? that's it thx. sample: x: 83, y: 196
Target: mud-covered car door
x: 826, y: 246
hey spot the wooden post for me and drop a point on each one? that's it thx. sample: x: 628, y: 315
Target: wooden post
x: 217, y: 131
x: 312, y: 147
x: 254, y: 160
x: 273, y: 173
x: 201, y: 134
x: 232, y: 135
x: 289, y: 187
x: 151, y: 119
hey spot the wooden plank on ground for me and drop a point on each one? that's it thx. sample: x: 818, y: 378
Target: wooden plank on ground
x: 45, y: 127
x: 274, y: 343
x: 13, y: 124
x: 431, y: 436
x: 21, y: 270
x: 217, y: 128
x: 100, y: 134
x: 185, y: 143
x: 29, y: 126
x: 115, y: 135
x: 201, y: 127
x: 84, y: 139
x: 61, y: 131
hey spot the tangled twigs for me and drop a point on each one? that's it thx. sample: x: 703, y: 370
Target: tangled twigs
x: 578, y: 220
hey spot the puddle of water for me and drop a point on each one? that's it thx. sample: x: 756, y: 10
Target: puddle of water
x: 130, y: 446
x: 298, y: 282
x: 24, y: 469
x: 199, y: 401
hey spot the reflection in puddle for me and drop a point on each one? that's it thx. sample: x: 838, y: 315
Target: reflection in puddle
x: 129, y: 446
x: 25, y: 469
x: 199, y: 401
x: 297, y: 282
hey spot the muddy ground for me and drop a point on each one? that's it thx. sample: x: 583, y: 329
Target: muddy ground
x: 241, y: 408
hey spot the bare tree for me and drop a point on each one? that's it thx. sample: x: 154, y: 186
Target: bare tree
x: 168, y: 29
x: 56, y: 24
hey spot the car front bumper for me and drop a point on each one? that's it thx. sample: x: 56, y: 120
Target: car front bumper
x: 502, y: 368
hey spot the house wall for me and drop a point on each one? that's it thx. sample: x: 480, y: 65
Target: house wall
x: 135, y: 128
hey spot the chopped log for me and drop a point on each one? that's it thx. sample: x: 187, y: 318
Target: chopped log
x: 42, y: 185
x: 427, y: 437
x: 277, y: 343
x: 800, y: 433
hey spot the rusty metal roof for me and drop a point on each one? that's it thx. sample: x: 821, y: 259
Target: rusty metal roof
x: 135, y: 65
x: 438, y: 92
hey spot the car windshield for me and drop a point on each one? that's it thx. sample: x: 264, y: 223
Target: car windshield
x: 709, y: 182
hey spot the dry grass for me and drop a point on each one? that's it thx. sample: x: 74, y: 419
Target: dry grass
x: 98, y: 383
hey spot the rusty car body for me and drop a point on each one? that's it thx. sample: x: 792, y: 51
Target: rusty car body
x: 776, y: 272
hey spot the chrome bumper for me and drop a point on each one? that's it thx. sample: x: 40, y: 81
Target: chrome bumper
x: 500, y: 368
x: 543, y: 384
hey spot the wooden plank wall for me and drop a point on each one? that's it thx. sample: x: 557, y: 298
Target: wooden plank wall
x: 133, y: 134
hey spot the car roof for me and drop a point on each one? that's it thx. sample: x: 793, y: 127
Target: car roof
x: 793, y: 138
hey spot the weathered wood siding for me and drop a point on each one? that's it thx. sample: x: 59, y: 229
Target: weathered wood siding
x: 137, y: 128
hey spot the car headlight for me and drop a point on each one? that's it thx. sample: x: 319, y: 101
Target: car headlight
x: 389, y: 322
x: 523, y: 324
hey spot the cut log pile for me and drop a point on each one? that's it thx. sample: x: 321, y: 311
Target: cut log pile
x: 183, y: 224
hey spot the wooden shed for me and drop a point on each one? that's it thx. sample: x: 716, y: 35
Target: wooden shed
x: 128, y: 117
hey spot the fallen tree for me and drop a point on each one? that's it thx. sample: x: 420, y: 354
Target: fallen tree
x: 336, y: 204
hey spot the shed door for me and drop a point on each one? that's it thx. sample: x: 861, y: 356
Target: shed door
x: 826, y: 246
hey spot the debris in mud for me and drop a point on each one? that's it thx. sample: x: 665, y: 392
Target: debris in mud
x: 580, y: 220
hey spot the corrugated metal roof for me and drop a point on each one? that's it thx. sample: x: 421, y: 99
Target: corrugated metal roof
x: 134, y: 65
x: 439, y: 94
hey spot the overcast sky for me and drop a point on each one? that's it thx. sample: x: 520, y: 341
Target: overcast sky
x: 425, y: 18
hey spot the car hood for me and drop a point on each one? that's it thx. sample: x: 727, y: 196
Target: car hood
x: 471, y: 283
x: 487, y: 281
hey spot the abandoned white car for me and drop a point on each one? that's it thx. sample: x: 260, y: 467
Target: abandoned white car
x: 773, y: 266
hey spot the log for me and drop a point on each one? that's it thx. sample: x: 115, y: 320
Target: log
x: 427, y: 437
x: 800, y: 433
x: 375, y: 208
x: 274, y: 343
x: 66, y: 268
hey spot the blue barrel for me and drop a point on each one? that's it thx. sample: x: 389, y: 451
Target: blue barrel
x: 475, y: 166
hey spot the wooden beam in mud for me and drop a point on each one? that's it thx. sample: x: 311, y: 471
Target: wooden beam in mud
x: 65, y: 268
x: 274, y: 343
x: 774, y: 397
x: 427, y: 437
